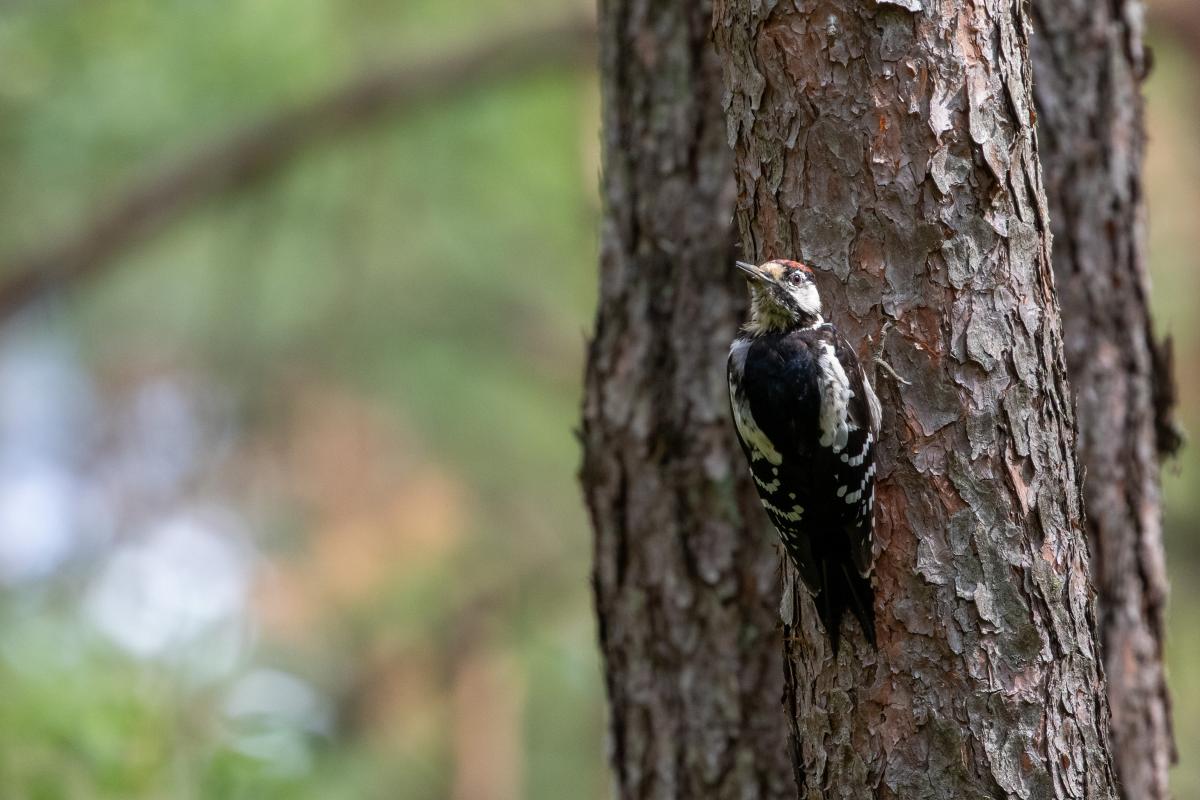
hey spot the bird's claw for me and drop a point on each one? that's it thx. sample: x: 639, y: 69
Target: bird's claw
x: 878, y: 359
x: 888, y: 369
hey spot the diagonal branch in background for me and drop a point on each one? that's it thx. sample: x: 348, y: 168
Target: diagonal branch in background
x: 1178, y: 20
x: 267, y: 147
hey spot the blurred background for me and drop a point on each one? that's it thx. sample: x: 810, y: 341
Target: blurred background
x: 287, y: 481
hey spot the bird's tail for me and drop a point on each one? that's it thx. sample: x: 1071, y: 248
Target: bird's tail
x: 843, y: 589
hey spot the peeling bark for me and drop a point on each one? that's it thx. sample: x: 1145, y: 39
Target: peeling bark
x: 890, y: 144
x: 1089, y: 63
x: 686, y: 579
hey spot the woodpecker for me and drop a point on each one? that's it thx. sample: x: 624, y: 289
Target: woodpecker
x: 808, y: 421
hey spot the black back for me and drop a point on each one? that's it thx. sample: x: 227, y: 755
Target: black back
x: 831, y: 542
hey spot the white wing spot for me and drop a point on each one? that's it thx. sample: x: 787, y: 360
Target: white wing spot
x: 853, y: 497
x: 792, y: 516
x: 835, y: 399
x: 842, y: 491
x: 771, y: 487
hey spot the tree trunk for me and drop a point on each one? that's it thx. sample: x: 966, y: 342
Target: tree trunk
x: 686, y: 579
x: 1089, y: 63
x: 896, y: 137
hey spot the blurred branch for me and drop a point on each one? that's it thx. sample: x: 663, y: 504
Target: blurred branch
x: 455, y: 635
x: 265, y: 149
x: 1177, y: 19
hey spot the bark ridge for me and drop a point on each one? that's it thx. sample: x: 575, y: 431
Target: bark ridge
x: 892, y: 145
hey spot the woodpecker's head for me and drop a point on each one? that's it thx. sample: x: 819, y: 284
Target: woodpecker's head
x: 783, y: 296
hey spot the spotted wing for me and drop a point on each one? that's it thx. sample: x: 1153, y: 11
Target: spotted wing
x: 810, y: 435
x: 854, y: 465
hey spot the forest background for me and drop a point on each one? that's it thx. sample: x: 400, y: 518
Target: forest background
x: 287, y: 475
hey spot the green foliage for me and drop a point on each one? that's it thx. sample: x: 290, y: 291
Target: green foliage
x: 424, y: 285
x: 437, y: 268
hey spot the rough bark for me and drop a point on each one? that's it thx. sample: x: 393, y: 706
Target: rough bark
x: 890, y: 144
x: 1088, y: 64
x: 686, y: 579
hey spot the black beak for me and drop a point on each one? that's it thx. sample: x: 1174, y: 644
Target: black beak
x: 753, y: 272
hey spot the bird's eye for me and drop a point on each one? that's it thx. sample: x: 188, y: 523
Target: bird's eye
x: 796, y: 278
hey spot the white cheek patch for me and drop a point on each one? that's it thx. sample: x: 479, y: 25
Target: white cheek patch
x: 808, y: 299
